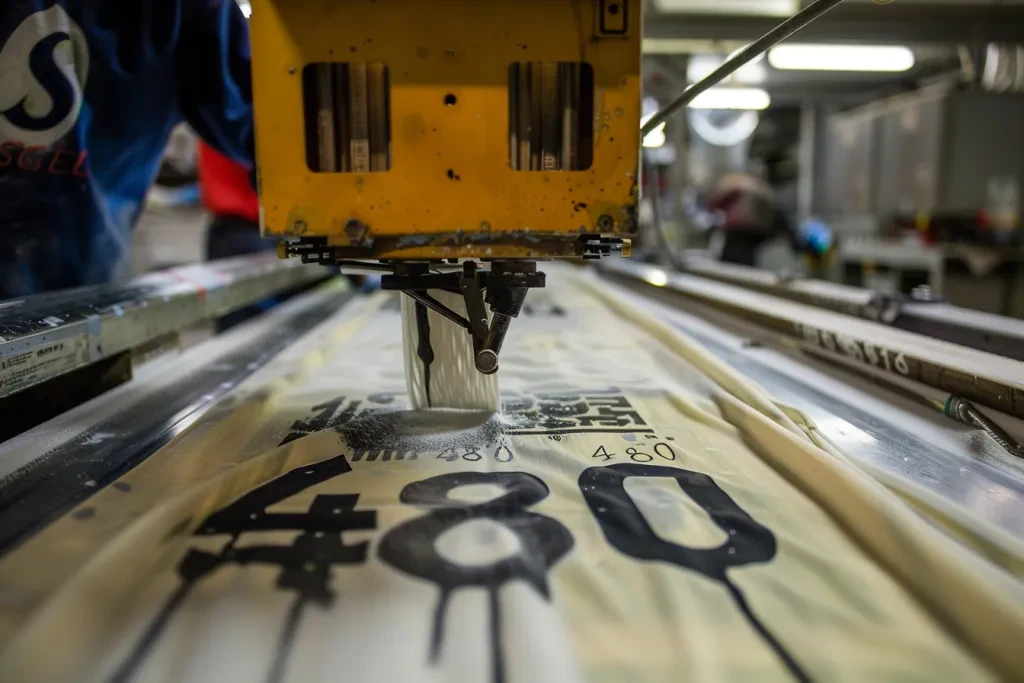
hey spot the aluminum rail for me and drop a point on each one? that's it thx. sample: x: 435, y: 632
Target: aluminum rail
x: 978, y: 330
x: 828, y: 295
x: 44, y: 336
x: 985, y: 378
x: 873, y: 427
x: 49, y: 469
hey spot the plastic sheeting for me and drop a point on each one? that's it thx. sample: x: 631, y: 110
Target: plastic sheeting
x: 637, y: 511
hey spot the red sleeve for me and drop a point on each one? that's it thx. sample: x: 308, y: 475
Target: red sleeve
x: 225, y: 187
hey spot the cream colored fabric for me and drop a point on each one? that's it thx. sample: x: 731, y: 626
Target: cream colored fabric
x: 999, y: 547
x: 635, y: 513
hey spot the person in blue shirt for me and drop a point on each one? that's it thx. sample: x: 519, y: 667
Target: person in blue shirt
x: 89, y: 92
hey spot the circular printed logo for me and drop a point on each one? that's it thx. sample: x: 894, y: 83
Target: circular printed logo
x: 43, y: 69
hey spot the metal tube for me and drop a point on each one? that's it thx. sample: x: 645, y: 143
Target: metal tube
x: 487, y: 357
x: 653, y: 178
x: 496, y: 334
x: 326, y: 153
x: 746, y: 55
x: 436, y: 306
x: 513, y: 116
x: 523, y: 117
x: 964, y: 411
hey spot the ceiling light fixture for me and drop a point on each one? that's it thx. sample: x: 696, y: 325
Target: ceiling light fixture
x: 808, y: 57
x: 732, y: 98
x: 765, y: 8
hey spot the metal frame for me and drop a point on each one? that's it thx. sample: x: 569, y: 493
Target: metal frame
x: 42, y: 337
x: 975, y: 329
x: 871, y: 425
x: 965, y: 374
x: 505, y: 284
x: 48, y: 470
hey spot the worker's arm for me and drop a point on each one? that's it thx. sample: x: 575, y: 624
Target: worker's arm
x: 214, y: 76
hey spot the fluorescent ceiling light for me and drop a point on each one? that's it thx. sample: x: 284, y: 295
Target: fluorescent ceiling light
x: 772, y: 8
x: 714, y: 98
x: 806, y: 57
x: 732, y: 98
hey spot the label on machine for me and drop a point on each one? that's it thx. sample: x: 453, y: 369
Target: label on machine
x: 45, y: 356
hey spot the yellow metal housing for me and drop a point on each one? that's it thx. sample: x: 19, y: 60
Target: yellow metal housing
x: 451, y: 191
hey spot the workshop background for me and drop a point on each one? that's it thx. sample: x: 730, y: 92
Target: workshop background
x: 903, y: 137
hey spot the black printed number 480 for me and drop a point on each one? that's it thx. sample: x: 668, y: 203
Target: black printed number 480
x: 636, y: 454
x: 410, y: 546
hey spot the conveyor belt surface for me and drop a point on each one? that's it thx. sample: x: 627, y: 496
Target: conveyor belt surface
x: 638, y: 510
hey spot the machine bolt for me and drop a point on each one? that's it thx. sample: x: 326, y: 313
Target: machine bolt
x: 605, y: 223
x: 487, y: 362
x: 355, y: 230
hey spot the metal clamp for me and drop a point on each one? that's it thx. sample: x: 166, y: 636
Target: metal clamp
x: 505, y: 285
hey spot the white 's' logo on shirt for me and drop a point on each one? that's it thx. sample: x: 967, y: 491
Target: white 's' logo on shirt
x: 43, y: 69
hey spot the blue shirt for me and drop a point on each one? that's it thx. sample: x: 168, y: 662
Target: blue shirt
x: 89, y: 92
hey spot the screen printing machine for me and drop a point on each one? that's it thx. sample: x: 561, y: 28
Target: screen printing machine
x: 98, y: 386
